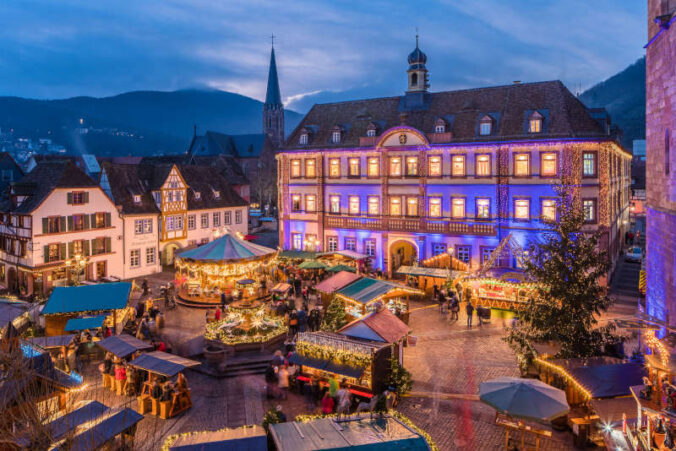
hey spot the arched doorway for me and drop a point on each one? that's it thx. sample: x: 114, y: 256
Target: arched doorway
x: 402, y: 252
x: 168, y: 254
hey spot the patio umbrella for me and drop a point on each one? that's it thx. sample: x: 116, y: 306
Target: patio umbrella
x: 312, y: 264
x: 245, y: 281
x: 339, y: 268
x: 524, y: 398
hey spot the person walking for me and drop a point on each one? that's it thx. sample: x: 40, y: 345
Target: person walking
x: 270, y: 381
x: 455, y: 309
x: 283, y: 382
x: 223, y: 302
x: 469, y: 310
x: 327, y: 403
x: 309, y: 396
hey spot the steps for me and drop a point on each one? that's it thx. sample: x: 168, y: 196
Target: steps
x: 240, y: 365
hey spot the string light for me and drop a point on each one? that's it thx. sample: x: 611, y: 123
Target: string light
x: 169, y: 441
x: 653, y: 342
x: 570, y: 379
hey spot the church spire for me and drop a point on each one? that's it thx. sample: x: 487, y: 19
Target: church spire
x: 273, y: 109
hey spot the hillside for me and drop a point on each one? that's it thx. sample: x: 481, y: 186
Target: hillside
x: 136, y: 123
x: 623, y: 95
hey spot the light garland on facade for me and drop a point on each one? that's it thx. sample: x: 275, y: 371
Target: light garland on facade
x: 563, y: 373
x: 336, y: 355
x: 169, y: 441
x: 653, y: 342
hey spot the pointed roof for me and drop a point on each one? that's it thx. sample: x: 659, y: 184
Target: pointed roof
x: 227, y: 248
x: 381, y: 325
x: 273, y: 97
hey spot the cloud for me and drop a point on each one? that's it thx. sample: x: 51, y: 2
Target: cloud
x: 325, y: 49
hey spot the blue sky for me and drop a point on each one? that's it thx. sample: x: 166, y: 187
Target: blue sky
x: 326, y: 50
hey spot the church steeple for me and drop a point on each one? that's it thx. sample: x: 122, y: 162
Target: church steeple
x: 273, y: 109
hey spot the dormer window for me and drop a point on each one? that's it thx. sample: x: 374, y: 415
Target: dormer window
x: 486, y: 126
x: 335, y: 136
x: 535, y: 123
x: 217, y: 194
x: 198, y: 195
x: 137, y: 198
x: 303, y: 139
x: 440, y: 126
x: 371, y: 130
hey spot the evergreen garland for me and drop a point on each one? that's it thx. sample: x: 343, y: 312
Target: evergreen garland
x: 400, y: 377
x: 564, y: 307
x: 335, y: 317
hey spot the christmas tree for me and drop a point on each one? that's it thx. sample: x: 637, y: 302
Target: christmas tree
x: 400, y: 377
x: 335, y: 317
x: 567, y: 265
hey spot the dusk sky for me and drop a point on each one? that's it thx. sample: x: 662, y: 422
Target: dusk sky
x: 326, y: 50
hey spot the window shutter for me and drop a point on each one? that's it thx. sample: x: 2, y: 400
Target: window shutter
x: 86, y: 247
x: 70, y: 223
x: 62, y: 253
x: 70, y: 249
x: 46, y: 254
x: 70, y: 198
x: 86, y: 222
x: 45, y: 225
x: 108, y: 244
x: 107, y: 219
x: 92, y: 220
x: 86, y: 197
x: 62, y: 219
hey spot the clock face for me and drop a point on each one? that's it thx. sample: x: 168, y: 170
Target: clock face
x: 402, y: 138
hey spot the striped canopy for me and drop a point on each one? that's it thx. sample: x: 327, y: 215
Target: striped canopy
x: 227, y: 248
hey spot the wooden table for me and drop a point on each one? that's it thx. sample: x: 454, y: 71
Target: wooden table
x: 512, y: 425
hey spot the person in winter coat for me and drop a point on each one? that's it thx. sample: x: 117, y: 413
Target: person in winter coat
x: 469, y: 310
x: 327, y: 404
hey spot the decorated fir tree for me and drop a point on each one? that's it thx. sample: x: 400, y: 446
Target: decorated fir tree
x: 400, y: 377
x: 567, y: 266
x: 335, y: 317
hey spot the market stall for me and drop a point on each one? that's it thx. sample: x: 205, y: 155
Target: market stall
x: 327, y: 287
x: 124, y: 345
x: 364, y: 364
x: 91, y: 323
x: 245, y: 438
x: 164, y: 402
x: 495, y: 292
x: 360, y: 262
x: 228, y: 265
x: 364, y: 296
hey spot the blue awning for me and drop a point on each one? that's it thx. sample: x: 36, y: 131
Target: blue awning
x: 88, y: 298
x: 103, y: 432
x: 55, y: 341
x: 88, y: 322
x: 366, y: 289
x: 123, y: 345
x: 227, y: 247
x: 162, y: 363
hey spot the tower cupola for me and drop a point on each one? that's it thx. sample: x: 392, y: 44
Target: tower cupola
x: 418, y: 79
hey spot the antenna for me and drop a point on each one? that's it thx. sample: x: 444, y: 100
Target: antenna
x: 272, y: 39
x: 416, y: 37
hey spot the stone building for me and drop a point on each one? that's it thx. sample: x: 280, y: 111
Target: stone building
x: 661, y: 161
x: 409, y: 177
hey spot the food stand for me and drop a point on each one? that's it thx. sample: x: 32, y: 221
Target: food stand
x: 364, y: 364
x: 364, y: 296
x: 226, y: 265
x: 327, y: 287
x: 161, y: 365
x: 496, y: 293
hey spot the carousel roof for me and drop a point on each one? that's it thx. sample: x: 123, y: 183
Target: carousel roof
x: 227, y: 247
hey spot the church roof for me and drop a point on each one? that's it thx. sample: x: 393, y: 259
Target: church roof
x: 273, y: 97
x: 509, y: 107
x: 238, y: 146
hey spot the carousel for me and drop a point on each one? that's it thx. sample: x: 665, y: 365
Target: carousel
x: 227, y: 266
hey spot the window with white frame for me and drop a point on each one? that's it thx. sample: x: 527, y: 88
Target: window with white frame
x: 522, y: 209
x: 458, y: 207
x: 303, y: 139
x: 174, y: 223
x: 353, y: 167
x: 204, y: 220
x: 486, y: 253
x: 412, y: 206
x: 334, y: 167
x: 310, y: 168
x: 350, y: 244
x: 589, y: 208
x: 335, y: 136
x: 589, y: 164
x: 483, y: 208
x: 137, y: 198
x: 370, y: 247
x: 310, y: 202
x: 463, y: 253
x: 332, y: 243
x: 373, y: 168
x: 371, y: 132
x: 297, y: 241
x: 373, y: 205
x: 191, y: 222
x: 151, y: 255
x: 198, y: 195
x: 395, y: 167
x: 334, y: 204
x: 135, y: 258
x: 438, y: 249
x: 295, y: 202
x: 353, y: 205
x: 412, y: 166
x: 548, y: 164
x: 435, y: 207
x: 434, y: 166
x: 486, y: 126
x: 548, y: 210
x: 483, y: 165
x: 535, y: 123
x: 521, y: 164
x: 295, y: 168
x: 238, y: 216
x: 439, y: 128
x: 395, y: 206
x: 458, y: 166
x: 216, y: 219
x: 227, y: 216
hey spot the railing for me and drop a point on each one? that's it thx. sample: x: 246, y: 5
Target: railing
x: 397, y: 224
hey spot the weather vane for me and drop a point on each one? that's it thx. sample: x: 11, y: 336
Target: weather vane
x: 272, y: 39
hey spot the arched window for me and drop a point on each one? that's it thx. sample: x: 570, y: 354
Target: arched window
x: 439, y: 126
x: 414, y: 79
x: 486, y: 126
x: 666, y: 152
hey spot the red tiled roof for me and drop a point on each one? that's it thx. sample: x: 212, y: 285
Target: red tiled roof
x: 384, y: 323
x: 336, y: 282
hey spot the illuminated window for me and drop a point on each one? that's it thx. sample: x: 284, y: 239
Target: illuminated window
x: 371, y: 132
x: 310, y: 168
x: 535, y: 123
x: 522, y: 209
x: 548, y: 209
x: 412, y: 206
x: 297, y: 241
x: 332, y: 243
x: 548, y: 164
x: 435, y: 207
x: 395, y: 206
x: 334, y: 204
x: 77, y: 222
x: 395, y: 167
x: 373, y: 167
x: 458, y: 207
x: 411, y: 166
x: 483, y: 165
x: 458, y: 166
x: 311, y: 242
x: 311, y: 203
x: 353, y: 165
x: 295, y: 168
x: 295, y: 205
x: 522, y: 164
x: 354, y: 205
x: 589, y: 164
x: 483, y: 208
x: 335, y: 137
x: 435, y: 167
x: 370, y: 247
x: 589, y: 208
x: 485, y: 126
x: 334, y: 167
x: 439, y: 128
x: 303, y: 139
x: 374, y: 205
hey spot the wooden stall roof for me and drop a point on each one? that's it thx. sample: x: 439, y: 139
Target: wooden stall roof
x: 437, y: 273
x: 367, y: 289
x: 88, y: 298
x: 162, y: 363
x: 246, y: 438
x: 55, y: 341
x: 603, y: 377
x: 114, y: 424
x: 123, y: 345
x: 336, y: 282
x: 382, y: 325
